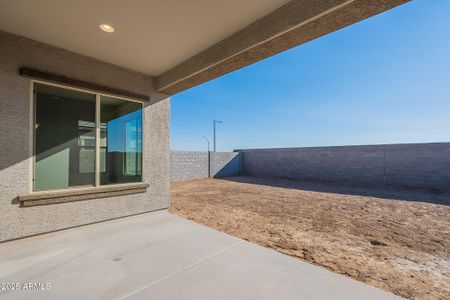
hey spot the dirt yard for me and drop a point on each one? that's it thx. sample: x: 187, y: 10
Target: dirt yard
x: 395, y: 240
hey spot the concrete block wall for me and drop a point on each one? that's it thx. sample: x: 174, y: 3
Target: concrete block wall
x: 411, y: 165
x: 225, y: 164
x: 189, y: 165
x: 425, y: 165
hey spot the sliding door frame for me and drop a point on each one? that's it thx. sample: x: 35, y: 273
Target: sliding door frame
x: 98, y: 96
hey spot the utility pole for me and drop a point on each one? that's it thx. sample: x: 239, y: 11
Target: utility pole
x: 209, y: 158
x: 214, y: 132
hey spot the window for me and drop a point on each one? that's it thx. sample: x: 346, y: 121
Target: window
x: 121, y: 140
x: 68, y: 124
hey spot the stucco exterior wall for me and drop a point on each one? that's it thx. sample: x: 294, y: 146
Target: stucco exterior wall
x: 16, y: 137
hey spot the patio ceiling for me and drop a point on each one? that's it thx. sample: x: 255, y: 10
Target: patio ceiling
x: 182, y: 43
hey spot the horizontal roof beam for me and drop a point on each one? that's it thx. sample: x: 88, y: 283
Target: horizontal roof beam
x: 295, y: 23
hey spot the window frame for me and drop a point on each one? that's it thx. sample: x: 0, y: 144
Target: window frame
x: 97, y: 169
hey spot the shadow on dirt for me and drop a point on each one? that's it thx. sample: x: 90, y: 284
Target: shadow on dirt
x: 387, y: 192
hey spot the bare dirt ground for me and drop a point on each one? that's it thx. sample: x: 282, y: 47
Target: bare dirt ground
x: 397, y: 240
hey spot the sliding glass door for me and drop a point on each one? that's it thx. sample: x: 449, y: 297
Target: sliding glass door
x: 64, y: 138
x: 121, y: 141
x: 85, y: 139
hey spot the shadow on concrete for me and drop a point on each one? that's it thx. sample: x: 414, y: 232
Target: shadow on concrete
x: 385, y: 192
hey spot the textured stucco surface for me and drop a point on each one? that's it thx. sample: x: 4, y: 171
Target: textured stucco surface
x: 15, y: 145
x: 189, y: 165
x: 411, y: 165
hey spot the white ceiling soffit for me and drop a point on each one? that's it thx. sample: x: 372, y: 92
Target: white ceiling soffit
x: 151, y: 36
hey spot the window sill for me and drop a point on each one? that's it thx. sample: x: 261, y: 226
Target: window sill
x: 61, y: 196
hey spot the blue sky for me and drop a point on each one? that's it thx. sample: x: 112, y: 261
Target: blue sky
x: 383, y: 80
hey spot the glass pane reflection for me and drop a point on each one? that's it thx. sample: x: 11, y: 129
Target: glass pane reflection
x: 120, y: 141
x: 64, y: 138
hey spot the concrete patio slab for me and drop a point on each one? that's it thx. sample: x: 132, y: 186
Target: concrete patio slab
x: 161, y: 256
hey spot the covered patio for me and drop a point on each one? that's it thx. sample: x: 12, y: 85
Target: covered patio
x: 85, y: 92
x: 161, y: 256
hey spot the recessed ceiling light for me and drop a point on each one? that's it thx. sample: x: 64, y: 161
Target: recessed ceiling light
x: 107, y: 28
